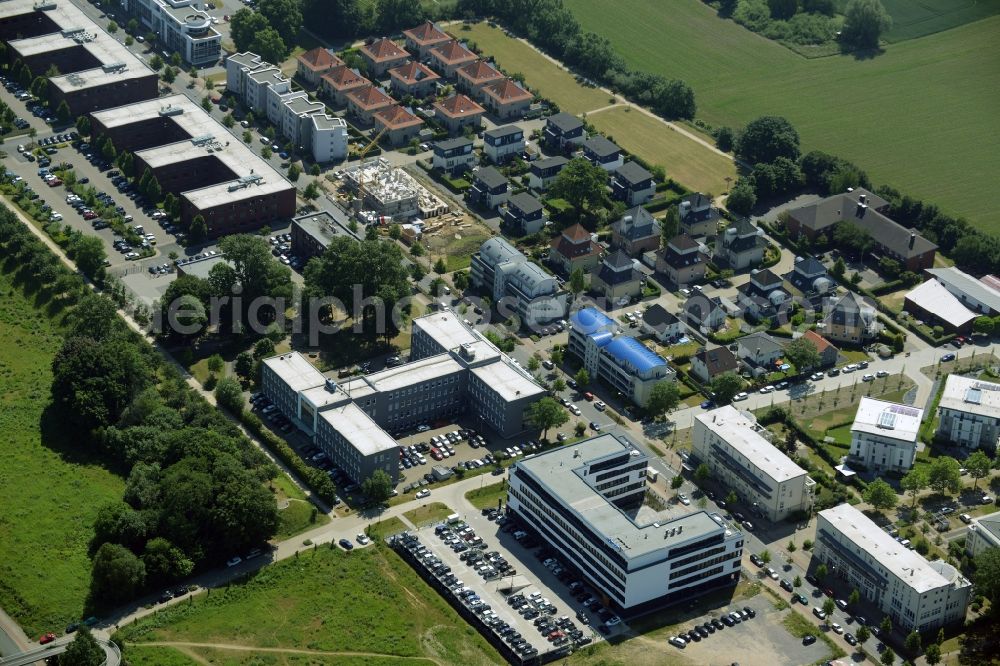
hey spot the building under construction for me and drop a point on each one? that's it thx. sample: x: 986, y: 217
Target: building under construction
x: 391, y: 192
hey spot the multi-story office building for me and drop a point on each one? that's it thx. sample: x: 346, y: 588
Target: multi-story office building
x: 313, y: 232
x: 918, y: 595
x: 517, y: 285
x: 583, y: 501
x: 984, y: 533
x: 622, y: 361
x: 729, y: 442
x: 969, y: 413
x: 181, y: 27
x: 884, y: 436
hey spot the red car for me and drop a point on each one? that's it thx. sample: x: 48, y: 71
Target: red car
x: 588, y: 396
x: 89, y: 215
x: 47, y: 638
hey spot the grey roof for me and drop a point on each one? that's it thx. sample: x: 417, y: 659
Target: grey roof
x: 565, y: 122
x: 503, y: 130
x: 636, y: 223
x: 633, y: 173
x: 617, y: 268
x: 657, y: 317
x: 618, y: 259
x: 968, y: 285
x: 718, y: 360
x: 761, y: 341
x: 852, y: 311
x: 810, y: 266
x: 600, y: 146
x: 490, y: 177
x: 683, y: 242
x: 744, y: 227
x: 450, y: 144
x: 765, y: 276
x: 698, y: 212
x: 497, y: 251
x: 549, y: 162
x: 525, y: 202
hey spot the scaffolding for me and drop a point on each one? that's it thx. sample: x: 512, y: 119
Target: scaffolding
x: 392, y: 192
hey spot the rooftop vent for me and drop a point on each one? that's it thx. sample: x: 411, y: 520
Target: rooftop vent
x: 171, y: 110
x: 114, y: 67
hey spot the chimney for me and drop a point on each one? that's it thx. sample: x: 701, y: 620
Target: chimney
x: 913, y: 239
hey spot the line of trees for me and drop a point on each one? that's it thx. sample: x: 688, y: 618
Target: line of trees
x: 356, y: 18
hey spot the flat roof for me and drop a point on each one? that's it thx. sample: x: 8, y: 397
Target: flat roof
x: 509, y: 382
x: 446, y: 329
x: 888, y: 419
x: 200, y: 268
x: 322, y: 226
x: 971, y: 395
x: 907, y: 565
x: 737, y: 429
x: 359, y: 429
x: 560, y: 471
x: 416, y: 372
x: 295, y: 370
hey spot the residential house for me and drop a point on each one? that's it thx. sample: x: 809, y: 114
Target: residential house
x: 524, y: 215
x: 682, y: 261
x: 932, y: 303
x: 617, y: 279
x: 662, y: 325
x: 828, y: 352
x: 740, y: 246
x: 509, y: 278
x: 454, y: 155
x: 635, y: 232
x: 698, y: 217
x: 707, y: 364
x: 575, y: 248
x: 339, y: 81
x: 563, y: 130
x: 381, y: 55
x: 763, y: 297
x: 314, y: 63
x: 506, y: 100
x: 705, y: 313
x: 969, y: 413
x: 544, y: 171
x: 400, y: 124
x: 978, y: 295
x: 421, y: 39
x: 809, y: 276
x: 850, y: 319
x: 884, y: 436
x: 458, y: 112
x: 326, y: 137
x: 489, y: 188
x: 503, y: 143
x: 761, y: 353
x: 472, y: 76
x: 603, y: 153
x: 364, y: 102
x: 447, y: 57
x: 632, y: 184
x: 413, y: 79
x: 867, y: 211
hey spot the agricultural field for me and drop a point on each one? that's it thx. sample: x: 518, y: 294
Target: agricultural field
x: 49, y: 490
x: 917, y: 18
x: 326, y: 606
x: 941, y: 91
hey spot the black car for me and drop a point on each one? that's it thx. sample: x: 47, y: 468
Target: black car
x: 749, y: 611
x: 808, y: 639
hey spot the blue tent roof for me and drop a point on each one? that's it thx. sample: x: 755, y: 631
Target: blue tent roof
x: 602, y: 338
x: 634, y: 353
x: 588, y: 320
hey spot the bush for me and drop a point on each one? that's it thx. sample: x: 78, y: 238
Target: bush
x: 320, y: 483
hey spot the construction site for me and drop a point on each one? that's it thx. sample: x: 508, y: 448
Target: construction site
x: 385, y: 191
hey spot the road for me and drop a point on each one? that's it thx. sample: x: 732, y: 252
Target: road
x: 39, y: 653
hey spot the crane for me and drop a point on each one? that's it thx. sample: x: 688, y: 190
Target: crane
x: 361, y: 167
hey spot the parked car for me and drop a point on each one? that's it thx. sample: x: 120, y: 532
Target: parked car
x: 346, y: 544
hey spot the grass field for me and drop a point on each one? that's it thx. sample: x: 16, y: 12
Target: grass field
x: 326, y: 601
x: 914, y: 117
x: 49, y: 490
x: 294, y: 510
x: 430, y: 513
x: 917, y: 18
x: 487, y: 496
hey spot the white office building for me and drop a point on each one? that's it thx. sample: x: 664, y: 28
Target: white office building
x: 984, y: 533
x: 518, y: 286
x: 969, y: 413
x: 730, y: 443
x: 181, y: 27
x: 584, y: 502
x: 264, y: 89
x: 917, y: 594
x: 884, y: 436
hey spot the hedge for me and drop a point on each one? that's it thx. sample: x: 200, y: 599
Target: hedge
x: 317, y: 480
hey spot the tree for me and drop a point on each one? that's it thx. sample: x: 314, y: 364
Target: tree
x: 803, y: 354
x: 864, y: 22
x: 312, y: 191
x: 987, y: 577
x: 263, y: 349
x: 175, y: 59
x: 83, y: 650
x: 165, y: 562
x: 243, y: 366
x: 269, y: 45
x: 731, y: 498
x: 169, y: 74
x: 156, y: 62
x: 582, y: 377
x: 943, y: 475
x: 677, y: 482
x: 913, y: 642
x: 862, y: 634
x: 828, y: 606
x: 558, y: 386
x: 377, y: 487
x: 854, y: 599
x: 391, y: 15
x: 765, y: 556
x: 112, y: 27
x: 440, y: 267
x: 117, y: 574
x: 109, y: 151
x: 932, y: 655
x: 198, y: 230
x: 724, y: 139
x: 285, y: 16
x: 247, y: 136
x: 89, y: 255
x: 663, y: 397
x: 461, y: 280
x: 852, y: 237
x: 888, y: 657
x: 670, y: 225
x: 886, y: 625
x: 702, y: 473
x: 546, y: 414
x: 83, y: 125
x: 979, y: 465
x: 294, y: 171
x: 243, y: 25
x: 742, y: 197
x: 229, y: 394
x: 63, y: 112
x: 206, y: 103
x: 983, y: 325
x: 581, y: 184
x: 726, y: 386
x: 783, y: 10
x: 577, y: 281
x: 766, y: 139
x: 556, y: 356
x: 839, y: 267
x: 797, y: 581
x: 266, y: 152
x: 821, y: 571
x: 880, y: 495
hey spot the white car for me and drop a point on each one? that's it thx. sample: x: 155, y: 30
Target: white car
x: 599, y: 406
x: 868, y: 378
x: 363, y: 539
x: 422, y: 494
x: 423, y: 428
x: 683, y: 499
x: 233, y: 561
x: 740, y: 396
x: 849, y: 368
x: 575, y: 410
x: 816, y: 376
x: 837, y: 629
x: 767, y: 389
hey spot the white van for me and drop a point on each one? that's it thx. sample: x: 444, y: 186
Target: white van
x: 453, y: 518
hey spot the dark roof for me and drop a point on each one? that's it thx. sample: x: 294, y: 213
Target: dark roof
x: 765, y: 276
x: 601, y: 147
x: 617, y: 268
x: 633, y: 173
x: 683, y: 242
x: 524, y: 202
x: 490, y: 177
x: 618, y: 259
x: 744, y: 227
x: 657, y: 317
x: 718, y: 360
x: 809, y: 266
x: 636, y: 223
x: 450, y: 144
x: 744, y: 243
x: 503, y: 130
x: 565, y: 122
x: 762, y: 341
x: 549, y: 162
x: 851, y: 311
x: 698, y: 201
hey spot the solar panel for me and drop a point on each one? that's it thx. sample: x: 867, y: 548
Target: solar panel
x: 986, y: 386
x: 887, y: 419
x: 974, y: 396
x: 905, y: 411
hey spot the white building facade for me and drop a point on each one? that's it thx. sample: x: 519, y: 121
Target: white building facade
x: 969, y: 413
x: 984, y: 533
x: 516, y: 284
x: 884, y: 436
x: 181, y: 27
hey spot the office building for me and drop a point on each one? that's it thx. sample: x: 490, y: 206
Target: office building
x: 520, y: 286
x: 194, y: 157
x: 622, y: 361
x: 731, y: 444
x: 918, y: 595
x: 884, y: 436
x: 984, y: 533
x: 313, y: 232
x: 969, y: 413
x: 181, y: 27
x: 583, y: 501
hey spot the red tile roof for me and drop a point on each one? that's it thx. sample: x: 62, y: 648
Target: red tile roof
x: 476, y: 72
x: 369, y: 97
x: 396, y: 117
x: 319, y: 58
x: 428, y: 33
x: 384, y: 49
x: 576, y: 233
x: 506, y: 92
x: 571, y: 250
x: 344, y: 77
x: 412, y: 72
x: 458, y: 106
x: 822, y: 344
x: 452, y: 52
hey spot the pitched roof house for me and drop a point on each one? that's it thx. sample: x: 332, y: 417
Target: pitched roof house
x: 314, y: 63
x: 339, y: 81
x: 413, y: 78
x: 635, y: 232
x: 850, y: 319
x: 707, y: 364
x: 706, y: 313
x: 424, y: 37
x: 400, y: 124
x: 545, y: 170
x: 616, y: 278
x: 762, y: 296
x: 633, y: 184
x: 602, y: 152
x: 761, y: 352
x: 448, y: 56
x: 740, y: 246
x: 575, y: 248
x: 681, y: 261
x: 489, y: 188
x: 381, y: 55
x: 364, y: 102
x: 659, y: 323
x: 458, y: 112
x: 524, y: 214
x: 474, y: 75
x: 506, y: 99
x: 828, y: 352
x: 698, y: 216
x: 563, y: 129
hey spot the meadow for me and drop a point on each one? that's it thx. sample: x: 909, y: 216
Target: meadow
x: 917, y: 18
x: 917, y: 117
x: 49, y: 489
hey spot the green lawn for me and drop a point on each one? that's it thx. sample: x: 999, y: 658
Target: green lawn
x: 487, y: 496
x: 916, y: 18
x: 50, y: 490
x: 434, y: 512
x: 366, y: 601
x: 915, y: 116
